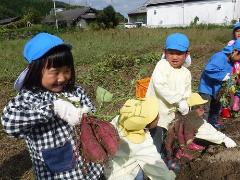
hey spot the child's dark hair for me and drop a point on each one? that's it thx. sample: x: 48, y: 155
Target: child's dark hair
x: 233, y: 33
x: 57, y: 57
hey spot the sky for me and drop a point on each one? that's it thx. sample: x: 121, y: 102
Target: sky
x: 122, y: 6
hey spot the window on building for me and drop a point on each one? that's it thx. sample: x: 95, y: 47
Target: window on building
x: 155, y: 12
x: 219, y: 7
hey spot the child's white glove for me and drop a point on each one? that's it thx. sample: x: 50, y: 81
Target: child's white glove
x: 229, y: 143
x: 183, y: 107
x: 68, y: 112
x: 227, y: 77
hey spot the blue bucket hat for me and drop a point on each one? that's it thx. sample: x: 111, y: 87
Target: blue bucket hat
x: 236, y: 45
x: 236, y: 26
x: 34, y: 49
x: 40, y: 44
x: 227, y: 49
x: 177, y: 41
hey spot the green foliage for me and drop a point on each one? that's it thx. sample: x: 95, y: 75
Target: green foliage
x: 32, y: 15
x: 228, y: 89
x: 194, y: 22
x: 75, y: 103
x: 12, y: 31
x: 94, y: 26
x: 2, y: 29
x: 30, y: 11
x: 113, y: 59
x: 17, y: 8
x: 120, y: 61
x: 121, y: 18
x: 107, y: 18
x: 233, y: 21
x: 13, y: 8
x: 103, y: 95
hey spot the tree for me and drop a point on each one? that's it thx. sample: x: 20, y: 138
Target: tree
x: 121, y: 18
x: 195, y: 21
x: 107, y: 18
x: 13, y: 8
x: 32, y: 15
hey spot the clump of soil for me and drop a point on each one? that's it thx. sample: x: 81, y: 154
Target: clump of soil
x: 216, y: 162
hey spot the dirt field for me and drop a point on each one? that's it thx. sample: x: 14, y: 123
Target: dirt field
x: 216, y: 162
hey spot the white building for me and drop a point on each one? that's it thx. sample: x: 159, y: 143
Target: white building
x: 169, y: 13
x: 138, y: 15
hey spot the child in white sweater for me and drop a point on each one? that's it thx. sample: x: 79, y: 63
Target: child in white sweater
x: 171, y: 84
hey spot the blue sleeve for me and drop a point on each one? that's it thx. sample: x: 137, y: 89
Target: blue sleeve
x: 217, y: 67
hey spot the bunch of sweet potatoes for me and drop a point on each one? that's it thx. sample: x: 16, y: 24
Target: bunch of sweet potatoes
x: 99, y: 139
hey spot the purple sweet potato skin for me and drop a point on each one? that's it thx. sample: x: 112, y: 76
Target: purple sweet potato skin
x: 91, y: 149
x: 108, y: 136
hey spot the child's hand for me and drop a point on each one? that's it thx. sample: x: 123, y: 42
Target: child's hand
x: 68, y: 112
x: 227, y: 77
x: 183, y: 107
x: 229, y: 143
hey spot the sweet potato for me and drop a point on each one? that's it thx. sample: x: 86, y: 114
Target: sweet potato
x: 107, y: 135
x: 92, y: 150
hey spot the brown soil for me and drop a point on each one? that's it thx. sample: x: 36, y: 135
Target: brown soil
x: 216, y: 162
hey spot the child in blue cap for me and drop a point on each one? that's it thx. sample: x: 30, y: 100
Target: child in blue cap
x: 171, y: 84
x: 216, y: 71
x: 236, y: 66
x: 44, y: 120
x: 235, y: 33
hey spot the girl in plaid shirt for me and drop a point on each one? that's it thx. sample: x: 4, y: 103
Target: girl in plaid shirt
x: 43, y: 120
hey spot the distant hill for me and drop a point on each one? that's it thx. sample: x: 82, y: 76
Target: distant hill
x: 13, y: 8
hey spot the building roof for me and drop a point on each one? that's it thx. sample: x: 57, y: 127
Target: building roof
x: 88, y: 16
x: 9, y: 20
x: 152, y: 2
x: 140, y: 10
x: 158, y: 2
x: 72, y: 15
x: 143, y: 9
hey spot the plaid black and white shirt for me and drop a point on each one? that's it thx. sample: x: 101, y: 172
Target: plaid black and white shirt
x: 30, y: 116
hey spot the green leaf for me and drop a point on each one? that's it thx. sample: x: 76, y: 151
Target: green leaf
x: 103, y: 95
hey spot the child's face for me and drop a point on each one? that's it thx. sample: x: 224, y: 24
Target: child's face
x: 235, y: 55
x: 175, y: 58
x: 237, y: 34
x: 199, y: 110
x: 54, y: 79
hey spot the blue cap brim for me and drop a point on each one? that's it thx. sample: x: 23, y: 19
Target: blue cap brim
x: 177, y: 48
x: 236, y: 26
